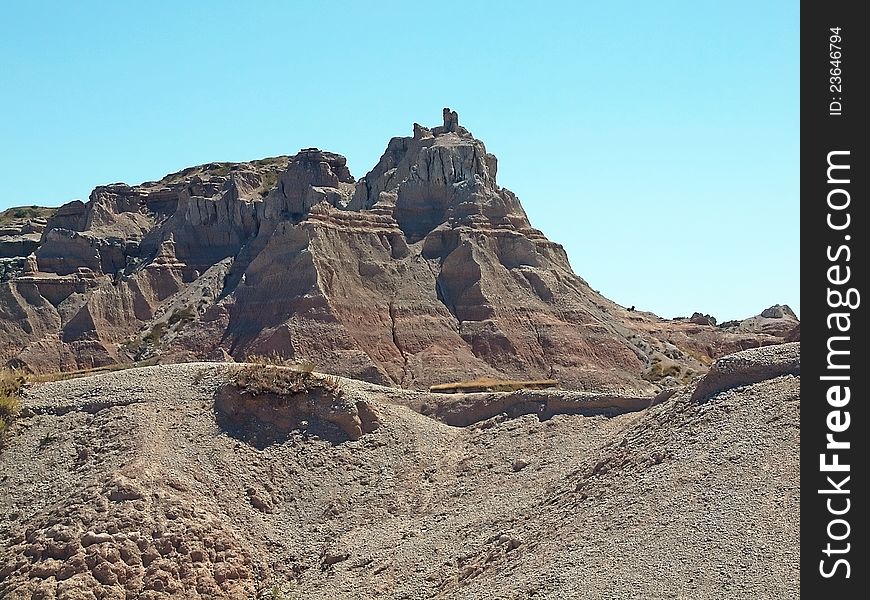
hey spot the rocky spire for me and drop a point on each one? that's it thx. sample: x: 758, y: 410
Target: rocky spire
x: 451, y: 124
x: 451, y: 119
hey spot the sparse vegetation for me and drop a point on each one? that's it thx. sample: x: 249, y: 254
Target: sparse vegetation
x: 697, y: 355
x: 658, y: 370
x: 304, y: 366
x: 492, y: 385
x: 279, y: 161
x: 276, y: 592
x: 272, y: 358
x: 138, y: 347
x: 266, y: 378
x: 199, y: 376
x: 131, y: 346
x: 178, y: 176
x: 157, y: 332
x: 221, y: 170
x: 268, y: 181
x: 278, y: 360
x: 183, y: 315
x: 663, y: 368
x: 64, y: 375
x: 11, y: 383
x: 25, y: 212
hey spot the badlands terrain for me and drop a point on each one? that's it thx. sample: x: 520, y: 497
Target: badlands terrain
x: 222, y: 390
x: 153, y: 483
x: 422, y: 272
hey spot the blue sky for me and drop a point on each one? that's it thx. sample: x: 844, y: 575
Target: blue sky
x: 657, y: 141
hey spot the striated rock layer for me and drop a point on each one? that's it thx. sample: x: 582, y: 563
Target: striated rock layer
x: 424, y: 271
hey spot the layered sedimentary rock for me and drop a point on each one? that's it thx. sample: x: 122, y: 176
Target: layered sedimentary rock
x: 423, y: 271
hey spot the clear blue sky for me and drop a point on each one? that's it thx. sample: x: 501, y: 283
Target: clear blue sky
x: 658, y: 141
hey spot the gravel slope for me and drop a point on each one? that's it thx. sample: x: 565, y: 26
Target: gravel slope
x: 123, y: 485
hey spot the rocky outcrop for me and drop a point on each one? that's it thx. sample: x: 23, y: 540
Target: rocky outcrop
x: 72, y: 216
x: 440, y: 176
x: 748, y: 367
x: 19, y: 237
x: 312, y: 176
x: 702, y: 319
x: 12, y: 246
x: 263, y: 415
x: 778, y: 320
x: 778, y: 311
x: 424, y: 271
x: 467, y: 409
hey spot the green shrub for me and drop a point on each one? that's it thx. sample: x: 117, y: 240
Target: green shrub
x: 221, y: 170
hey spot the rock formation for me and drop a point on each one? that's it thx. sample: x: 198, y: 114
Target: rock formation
x: 748, y: 367
x: 423, y: 271
x: 778, y: 320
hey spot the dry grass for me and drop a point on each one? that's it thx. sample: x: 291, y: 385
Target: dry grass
x: 272, y: 161
x: 278, y: 360
x: 661, y: 369
x: 11, y: 383
x: 269, y: 378
x: 64, y: 375
x: 492, y: 385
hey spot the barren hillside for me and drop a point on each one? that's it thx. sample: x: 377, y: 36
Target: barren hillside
x: 174, y: 481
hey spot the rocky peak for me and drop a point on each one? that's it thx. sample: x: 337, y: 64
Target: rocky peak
x: 778, y: 311
x: 328, y: 165
x: 71, y: 215
x: 312, y: 176
x: 779, y: 320
x: 439, y: 175
x: 451, y: 125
